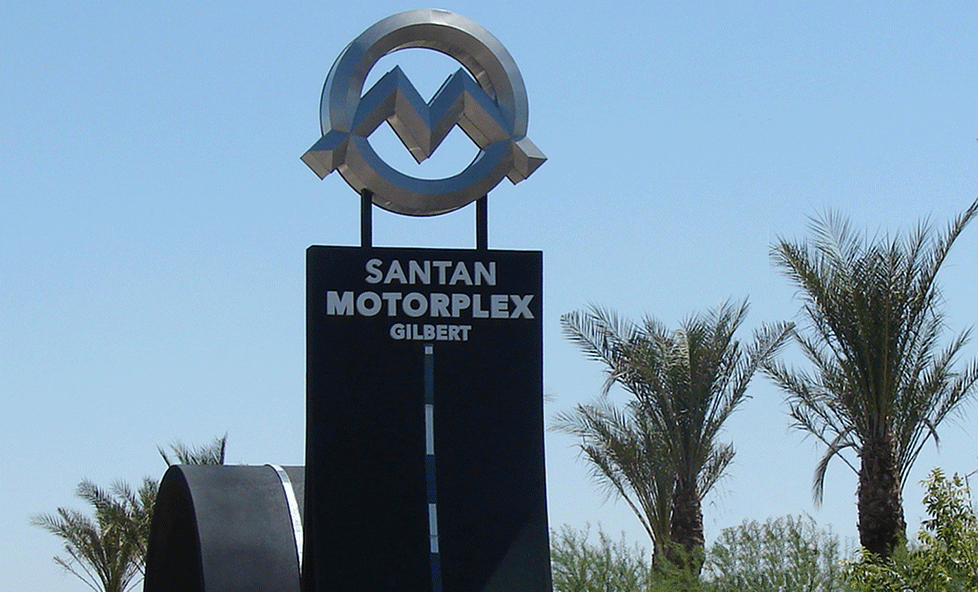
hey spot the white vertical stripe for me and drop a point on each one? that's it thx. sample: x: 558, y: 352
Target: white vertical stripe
x: 433, y: 527
x: 429, y: 429
x: 293, y: 510
x: 432, y: 519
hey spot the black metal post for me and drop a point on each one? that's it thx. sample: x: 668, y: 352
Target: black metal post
x: 366, y: 218
x: 482, y: 223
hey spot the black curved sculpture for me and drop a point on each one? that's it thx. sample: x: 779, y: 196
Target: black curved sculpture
x: 222, y: 528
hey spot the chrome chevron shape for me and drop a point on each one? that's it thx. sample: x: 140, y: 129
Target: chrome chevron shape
x: 422, y: 126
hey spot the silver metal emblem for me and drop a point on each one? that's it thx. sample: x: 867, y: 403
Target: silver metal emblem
x: 486, y: 98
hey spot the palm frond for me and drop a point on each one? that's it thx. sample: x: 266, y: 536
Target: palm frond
x: 715, y: 468
x: 207, y: 454
x: 833, y: 449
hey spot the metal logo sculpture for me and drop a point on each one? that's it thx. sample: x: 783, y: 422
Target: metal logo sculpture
x: 489, y: 105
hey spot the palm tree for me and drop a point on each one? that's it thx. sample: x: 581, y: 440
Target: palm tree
x: 109, y: 551
x: 627, y: 458
x: 685, y: 384
x: 881, y: 383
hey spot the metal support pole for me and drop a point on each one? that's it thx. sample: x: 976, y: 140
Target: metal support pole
x: 482, y: 223
x: 366, y: 218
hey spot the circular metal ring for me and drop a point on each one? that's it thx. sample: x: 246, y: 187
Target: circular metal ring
x: 492, y: 109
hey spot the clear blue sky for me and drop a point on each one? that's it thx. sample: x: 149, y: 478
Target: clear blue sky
x: 154, y: 215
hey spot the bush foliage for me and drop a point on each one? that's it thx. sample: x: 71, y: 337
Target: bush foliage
x: 781, y: 555
x: 786, y: 554
x: 946, y: 557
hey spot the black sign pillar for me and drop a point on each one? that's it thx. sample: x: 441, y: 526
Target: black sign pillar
x: 424, y: 437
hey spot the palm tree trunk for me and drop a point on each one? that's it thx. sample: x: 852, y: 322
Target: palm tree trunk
x: 686, y: 528
x: 881, y: 523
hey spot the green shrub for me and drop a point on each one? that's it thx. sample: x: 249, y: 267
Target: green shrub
x: 580, y: 565
x: 781, y: 555
x: 786, y: 554
x: 946, y: 557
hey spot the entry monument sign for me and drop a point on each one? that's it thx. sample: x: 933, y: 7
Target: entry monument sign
x: 424, y: 438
